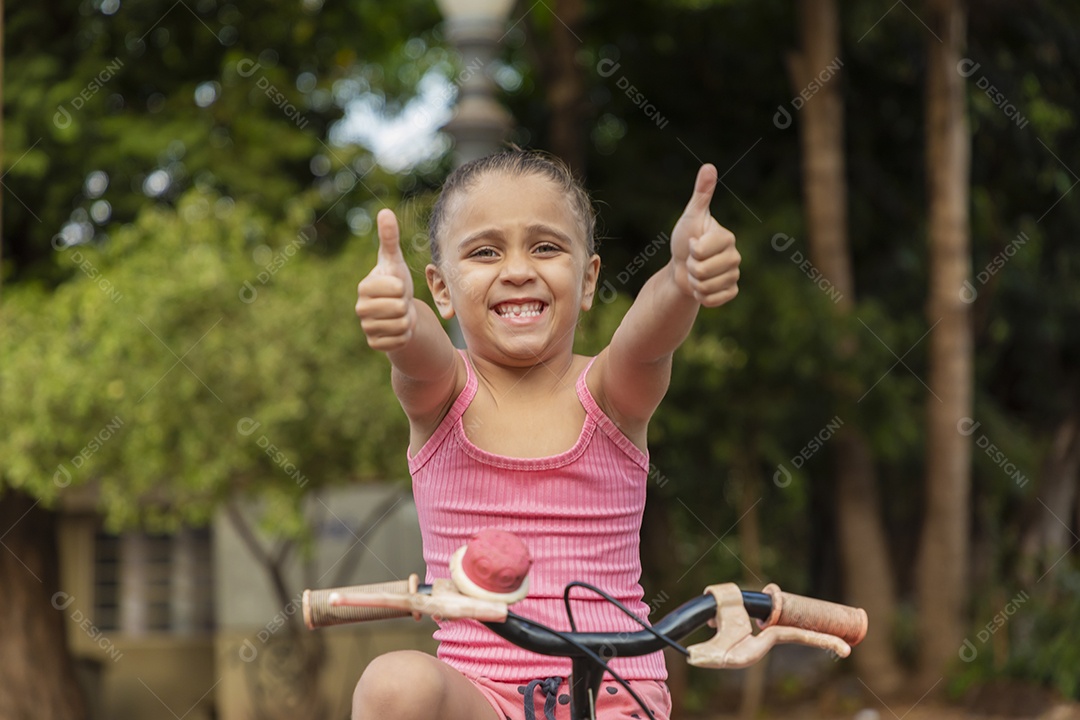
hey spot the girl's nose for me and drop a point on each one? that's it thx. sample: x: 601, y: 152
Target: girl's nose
x: 518, y: 268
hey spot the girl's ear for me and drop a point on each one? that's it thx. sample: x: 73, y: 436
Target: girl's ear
x: 440, y: 291
x: 588, y: 282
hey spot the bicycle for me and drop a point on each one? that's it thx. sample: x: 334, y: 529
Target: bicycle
x: 483, y: 590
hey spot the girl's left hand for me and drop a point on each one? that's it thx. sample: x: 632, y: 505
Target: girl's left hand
x: 703, y: 251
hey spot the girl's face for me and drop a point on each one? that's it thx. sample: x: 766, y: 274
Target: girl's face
x: 514, y: 269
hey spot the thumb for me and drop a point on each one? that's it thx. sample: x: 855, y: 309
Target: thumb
x: 389, y: 239
x: 703, y: 192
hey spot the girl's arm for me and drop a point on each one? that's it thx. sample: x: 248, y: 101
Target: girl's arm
x: 635, y: 369
x: 425, y: 363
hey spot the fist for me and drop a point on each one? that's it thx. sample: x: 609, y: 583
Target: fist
x: 703, y: 250
x: 385, y: 297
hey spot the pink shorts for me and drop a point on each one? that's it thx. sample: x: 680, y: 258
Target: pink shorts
x: 614, y: 703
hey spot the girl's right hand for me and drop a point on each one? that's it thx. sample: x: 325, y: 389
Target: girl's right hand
x: 385, y: 297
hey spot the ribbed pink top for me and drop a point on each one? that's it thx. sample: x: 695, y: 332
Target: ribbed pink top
x: 579, y: 513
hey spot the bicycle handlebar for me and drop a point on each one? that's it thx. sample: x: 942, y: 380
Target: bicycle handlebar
x: 490, y: 573
x: 772, y: 607
x: 318, y: 612
x: 790, y: 610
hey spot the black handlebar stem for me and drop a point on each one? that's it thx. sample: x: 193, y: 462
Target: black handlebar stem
x: 676, y: 625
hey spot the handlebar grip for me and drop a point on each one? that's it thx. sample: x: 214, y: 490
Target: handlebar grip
x: 847, y: 623
x: 319, y: 613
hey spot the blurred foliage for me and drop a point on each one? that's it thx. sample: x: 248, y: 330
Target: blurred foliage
x: 121, y: 105
x: 1047, y: 652
x: 1033, y: 642
x: 166, y: 155
x: 209, y: 179
x: 202, y: 351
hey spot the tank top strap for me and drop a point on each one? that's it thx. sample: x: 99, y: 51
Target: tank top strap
x: 467, y: 393
x: 605, y: 423
x: 452, y: 418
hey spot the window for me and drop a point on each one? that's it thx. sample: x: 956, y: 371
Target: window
x: 147, y: 583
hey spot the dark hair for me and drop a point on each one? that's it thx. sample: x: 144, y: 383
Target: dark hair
x: 516, y: 162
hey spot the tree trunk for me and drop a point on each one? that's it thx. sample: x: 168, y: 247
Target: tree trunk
x: 942, y: 572
x: 868, y: 580
x: 1045, y: 539
x: 566, y: 87
x: 37, y: 678
x: 298, y: 656
x: 821, y: 131
x: 748, y: 482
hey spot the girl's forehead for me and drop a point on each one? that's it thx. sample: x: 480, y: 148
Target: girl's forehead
x: 497, y: 200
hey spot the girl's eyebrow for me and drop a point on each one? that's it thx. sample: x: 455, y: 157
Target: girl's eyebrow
x: 534, y: 229
x: 486, y: 232
x: 541, y: 229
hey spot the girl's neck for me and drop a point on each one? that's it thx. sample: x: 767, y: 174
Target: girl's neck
x: 546, y: 376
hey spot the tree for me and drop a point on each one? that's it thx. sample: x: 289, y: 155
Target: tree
x: 563, y: 80
x: 943, y: 574
x: 34, y: 638
x: 868, y: 577
x: 255, y: 399
x: 160, y: 97
x: 142, y: 106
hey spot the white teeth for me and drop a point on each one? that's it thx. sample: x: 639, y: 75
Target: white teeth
x: 517, y: 310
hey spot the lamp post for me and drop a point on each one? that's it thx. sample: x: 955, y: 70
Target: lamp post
x: 479, y: 123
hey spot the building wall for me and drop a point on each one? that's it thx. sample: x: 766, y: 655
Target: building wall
x: 361, y: 534
x: 127, y: 675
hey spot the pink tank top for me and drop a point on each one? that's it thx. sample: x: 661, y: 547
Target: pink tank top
x: 579, y: 512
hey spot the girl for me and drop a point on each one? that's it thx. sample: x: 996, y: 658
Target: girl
x: 518, y: 432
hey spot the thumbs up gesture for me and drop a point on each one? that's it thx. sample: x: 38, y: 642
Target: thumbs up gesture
x: 385, y: 297
x: 703, y: 250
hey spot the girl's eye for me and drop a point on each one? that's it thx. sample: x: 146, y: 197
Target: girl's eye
x: 547, y: 248
x: 485, y: 252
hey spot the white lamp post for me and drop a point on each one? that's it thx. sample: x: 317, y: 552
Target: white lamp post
x: 479, y: 123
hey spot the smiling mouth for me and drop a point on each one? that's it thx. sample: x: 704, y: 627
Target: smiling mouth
x: 520, y: 310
